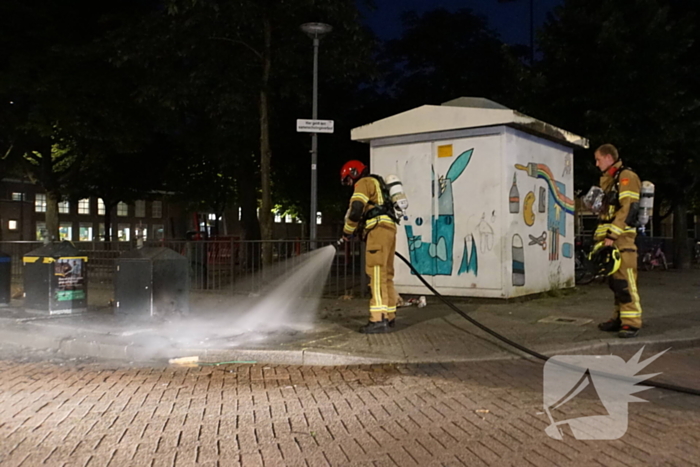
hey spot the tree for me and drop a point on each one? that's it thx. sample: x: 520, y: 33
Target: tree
x: 66, y: 103
x: 615, y: 72
x: 232, y: 60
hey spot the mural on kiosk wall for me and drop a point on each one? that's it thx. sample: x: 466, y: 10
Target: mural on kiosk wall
x: 436, y: 257
x: 471, y: 225
x: 558, y: 205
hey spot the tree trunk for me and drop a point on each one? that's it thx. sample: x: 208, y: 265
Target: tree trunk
x: 249, y: 205
x: 681, y: 250
x: 265, y: 152
x: 52, y: 216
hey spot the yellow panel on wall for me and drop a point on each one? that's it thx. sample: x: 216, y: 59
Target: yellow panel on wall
x: 445, y: 151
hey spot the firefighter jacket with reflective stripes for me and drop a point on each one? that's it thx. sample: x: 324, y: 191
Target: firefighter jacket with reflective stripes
x: 613, y: 219
x: 369, y: 193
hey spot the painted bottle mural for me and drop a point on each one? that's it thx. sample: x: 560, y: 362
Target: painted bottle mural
x: 518, y: 261
x: 514, y: 197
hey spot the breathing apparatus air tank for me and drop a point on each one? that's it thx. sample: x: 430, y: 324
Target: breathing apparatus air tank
x: 646, y: 204
x: 398, y: 197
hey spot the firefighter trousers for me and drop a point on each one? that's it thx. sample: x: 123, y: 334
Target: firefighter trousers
x: 379, y: 266
x: 623, y: 283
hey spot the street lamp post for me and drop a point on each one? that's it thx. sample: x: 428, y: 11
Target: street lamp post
x: 315, y: 31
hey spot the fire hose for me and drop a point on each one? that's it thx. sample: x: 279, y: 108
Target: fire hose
x: 524, y: 349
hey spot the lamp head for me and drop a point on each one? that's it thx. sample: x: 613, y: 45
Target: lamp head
x: 316, y: 30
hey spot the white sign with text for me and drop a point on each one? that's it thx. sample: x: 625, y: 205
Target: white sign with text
x: 315, y: 126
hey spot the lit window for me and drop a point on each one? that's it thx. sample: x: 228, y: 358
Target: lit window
x: 100, y: 207
x: 278, y: 217
x: 158, y: 232
x: 124, y: 233
x: 319, y: 218
x: 41, y: 232
x: 17, y: 196
x: 157, y: 209
x: 102, y: 231
x: 65, y: 231
x: 12, y: 224
x: 40, y: 203
x: 84, y: 206
x: 212, y: 217
x: 85, y: 232
x: 64, y: 208
x: 122, y: 209
x: 239, y: 214
x: 141, y: 231
x: 140, y: 209
x: 288, y: 218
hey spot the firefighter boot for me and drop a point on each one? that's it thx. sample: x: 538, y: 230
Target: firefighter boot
x: 375, y: 327
x: 612, y: 325
x: 628, y: 331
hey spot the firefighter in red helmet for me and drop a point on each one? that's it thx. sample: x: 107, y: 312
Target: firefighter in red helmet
x: 371, y: 217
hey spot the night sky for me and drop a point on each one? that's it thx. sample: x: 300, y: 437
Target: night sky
x: 510, y: 20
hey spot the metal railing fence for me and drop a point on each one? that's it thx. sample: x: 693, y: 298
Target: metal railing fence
x: 225, y: 266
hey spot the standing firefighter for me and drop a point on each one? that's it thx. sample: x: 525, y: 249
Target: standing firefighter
x: 617, y: 229
x: 371, y: 216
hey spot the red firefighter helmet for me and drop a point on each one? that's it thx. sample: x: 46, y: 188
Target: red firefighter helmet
x: 351, y: 172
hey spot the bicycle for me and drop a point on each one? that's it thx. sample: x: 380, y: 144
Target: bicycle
x: 654, y: 258
x: 583, y: 268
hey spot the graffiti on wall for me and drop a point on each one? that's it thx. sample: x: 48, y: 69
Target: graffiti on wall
x: 470, y: 259
x: 541, y: 171
x: 541, y: 240
x: 558, y: 205
x: 436, y: 257
x: 528, y: 211
x: 567, y: 166
x: 485, y: 233
x: 514, y: 196
x: 542, y: 201
x: 518, y: 254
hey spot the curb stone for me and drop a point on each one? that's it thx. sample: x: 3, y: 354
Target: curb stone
x: 77, y: 347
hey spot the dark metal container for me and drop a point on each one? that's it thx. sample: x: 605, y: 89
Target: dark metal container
x: 5, y: 279
x: 152, y: 282
x: 55, y: 279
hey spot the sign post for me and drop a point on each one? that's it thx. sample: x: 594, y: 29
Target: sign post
x: 314, y: 126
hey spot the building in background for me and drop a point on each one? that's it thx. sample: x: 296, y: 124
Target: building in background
x: 23, y: 216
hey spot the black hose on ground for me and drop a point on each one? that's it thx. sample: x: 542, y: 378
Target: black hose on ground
x: 523, y: 349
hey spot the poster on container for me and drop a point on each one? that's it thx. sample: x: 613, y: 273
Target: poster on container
x: 71, y: 279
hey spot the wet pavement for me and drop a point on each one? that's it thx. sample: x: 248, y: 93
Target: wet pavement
x: 555, y: 323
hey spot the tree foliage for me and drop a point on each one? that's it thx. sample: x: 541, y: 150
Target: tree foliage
x: 241, y: 71
x: 619, y: 72
x: 62, y: 102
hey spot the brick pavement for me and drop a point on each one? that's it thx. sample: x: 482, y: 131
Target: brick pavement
x: 84, y: 413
